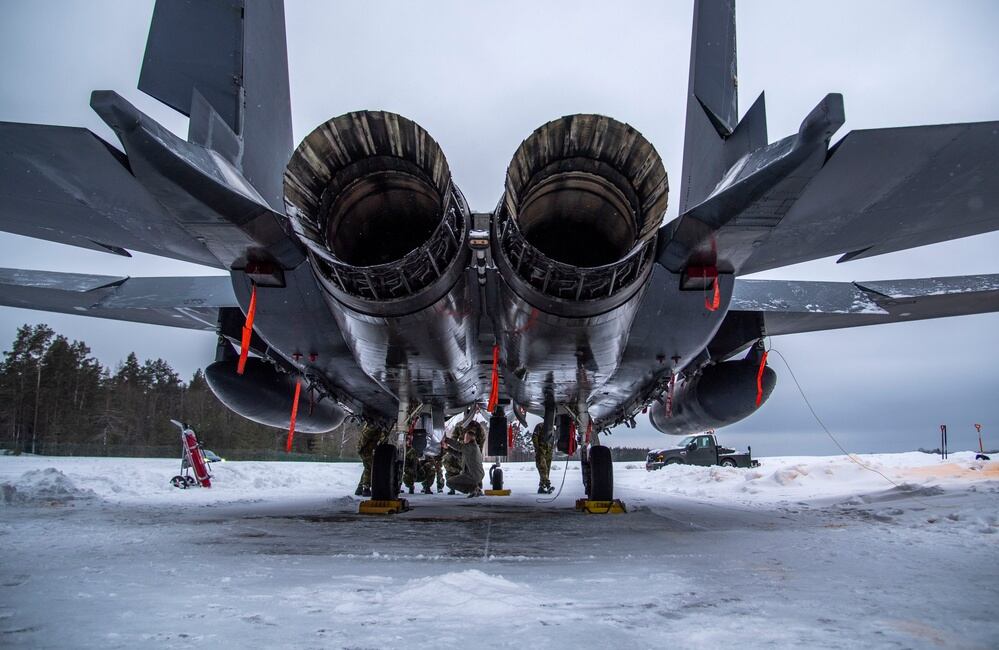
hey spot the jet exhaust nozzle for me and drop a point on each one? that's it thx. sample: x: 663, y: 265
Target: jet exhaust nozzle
x: 721, y: 395
x: 371, y: 196
x: 263, y: 394
x: 584, y: 198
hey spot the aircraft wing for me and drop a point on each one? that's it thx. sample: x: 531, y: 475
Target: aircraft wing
x: 886, y: 190
x: 188, y: 302
x: 790, y: 307
x: 67, y: 185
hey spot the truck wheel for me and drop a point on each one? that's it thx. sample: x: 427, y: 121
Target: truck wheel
x: 673, y: 461
x: 728, y: 462
x: 601, y: 474
x: 383, y: 474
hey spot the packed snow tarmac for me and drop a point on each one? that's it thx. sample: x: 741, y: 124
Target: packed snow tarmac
x: 809, y: 551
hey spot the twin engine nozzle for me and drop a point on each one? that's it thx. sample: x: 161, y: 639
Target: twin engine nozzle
x: 371, y: 196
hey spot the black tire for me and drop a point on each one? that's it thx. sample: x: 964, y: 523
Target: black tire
x: 384, y: 485
x: 601, y: 474
x: 728, y: 462
x: 178, y: 482
x: 673, y: 461
x: 191, y: 481
x: 584, y: 465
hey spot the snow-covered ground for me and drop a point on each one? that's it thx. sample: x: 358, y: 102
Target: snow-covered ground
x: 810, y: 551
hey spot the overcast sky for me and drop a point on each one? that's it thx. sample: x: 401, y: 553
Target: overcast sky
x: 480, y: 76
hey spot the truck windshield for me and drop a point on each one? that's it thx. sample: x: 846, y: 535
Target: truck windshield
x: 685, y: 441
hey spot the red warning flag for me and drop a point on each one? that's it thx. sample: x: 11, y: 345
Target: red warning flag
x: 494, y: 384
x: 294, y: 414
x: 244, y: 345
x: 715, y: 300
x: 759, y: 380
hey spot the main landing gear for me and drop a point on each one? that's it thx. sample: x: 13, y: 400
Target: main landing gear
x: 598, y: 481
x: 386, y: 479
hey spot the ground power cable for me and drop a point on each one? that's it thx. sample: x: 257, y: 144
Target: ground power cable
x: 836, y: 442
x: 565, y: 471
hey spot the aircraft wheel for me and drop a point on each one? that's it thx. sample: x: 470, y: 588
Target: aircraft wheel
x: 584, y: 465
x: 728, y: 462
x: 191, y: 481
x: 601, y: 474
x: 384, y: 483
x: 178, y: 482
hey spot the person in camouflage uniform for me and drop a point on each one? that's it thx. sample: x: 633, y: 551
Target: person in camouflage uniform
x: 414, y: 469
x: 369, y: 438
x: 436, y: 468
x: 450, y: 461
x: 542, y: 459
x: 427, y: 472
x: 480, y: 434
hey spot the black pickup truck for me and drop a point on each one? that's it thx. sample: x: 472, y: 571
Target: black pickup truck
x: 702, y: 449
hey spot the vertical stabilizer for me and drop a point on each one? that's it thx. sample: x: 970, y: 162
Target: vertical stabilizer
x: 233, y: 59
x: 714, y: 138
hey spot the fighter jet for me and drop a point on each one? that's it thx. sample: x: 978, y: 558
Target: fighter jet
x: 361, y: 283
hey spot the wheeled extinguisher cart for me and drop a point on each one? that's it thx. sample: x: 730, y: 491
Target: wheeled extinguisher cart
x: 193, y: 467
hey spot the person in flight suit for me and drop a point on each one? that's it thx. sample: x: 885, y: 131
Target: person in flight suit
x: 450, y: 460
x: 469, y: 481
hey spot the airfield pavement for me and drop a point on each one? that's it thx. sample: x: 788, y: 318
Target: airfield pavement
x: 807, y: 551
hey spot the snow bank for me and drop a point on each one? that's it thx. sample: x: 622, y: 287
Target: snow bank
x: 39, y: 486
x: 819, y: 480
x: 814, y: 478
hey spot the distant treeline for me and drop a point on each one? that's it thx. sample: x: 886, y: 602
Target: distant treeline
x: 56, y: 399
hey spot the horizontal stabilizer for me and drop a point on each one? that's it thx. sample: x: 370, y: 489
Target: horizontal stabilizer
x: 66, y: 185
x: 887, y: 190
x: 188, y: 302
x: 790, y: 307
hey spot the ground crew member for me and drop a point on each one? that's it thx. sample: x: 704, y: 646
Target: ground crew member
x: 436, y: 469
x: 469, y: 481
x: 542, y: 458
x: 413, y: 471
x: 369, y: 438
x: 428, y: 470
x: 479, y: 433
x: 451, y: 461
